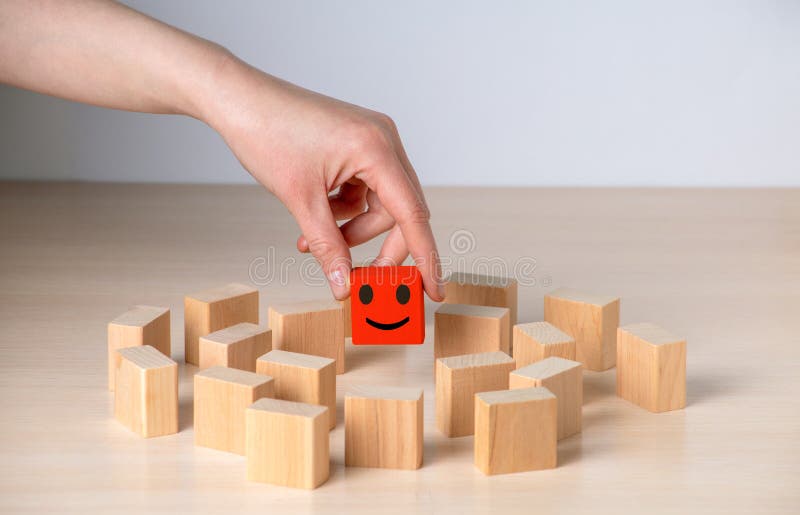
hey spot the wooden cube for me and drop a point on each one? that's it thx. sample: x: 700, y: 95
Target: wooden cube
x: 302, y: 378
x: 142, y: 325
x: 651, y: 367
x: 383, y: 427
x: 538, y: 340
x: 468, y: 329
x: 237, y: 346
x: 564, y: 378
x: 515, y: 430
x: 348, y: 319
x: 146, y: 394
x: 482, y: 290
x: 215, y: 309
x: 287, y: 443
x: 312, y: 327
x: 458, y: 379
x: 591, y: 319
x: 221, y: 396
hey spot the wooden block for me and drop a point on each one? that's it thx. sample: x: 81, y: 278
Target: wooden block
x: 312, y: 327
x: 467, y: 329
x: 482, y: 290
x: 515, y: 430
x: 383, y: 427
x: 458, y: 379
x: 564, y: 378
x: 651, y: 367
x: 287, y: 443
x: 302, y: 378
x: 146, y: 395
x: 348, y: 319
x: 538, y: 340
x: 142, y: 325
x: 215, y: 309
x: 237, y: 346
x: 591, y: 319
x: 221, y: 396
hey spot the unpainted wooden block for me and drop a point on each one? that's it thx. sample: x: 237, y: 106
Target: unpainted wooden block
x: 458, y: 379
x: 221, y: 396
x: 564, y: 378
x: 651, y: 367
x: 538, y: 340
x: 482, y: 290
x: 515, y: 430
x: 287, y: 443
x: 383, y: 427
x: 348, y: 318
x: 302, y: 378
x: 469, y: 329
x: 142, y: 325
x: 311, y: 327
x: 146, y: 394
x: 215, y: 309
x: 237, y: 346
x: 591, y: 319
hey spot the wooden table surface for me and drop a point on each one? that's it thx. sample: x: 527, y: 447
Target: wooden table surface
x: 720, y: 267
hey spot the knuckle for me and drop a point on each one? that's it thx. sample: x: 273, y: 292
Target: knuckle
x: 419, y: 214
x: 322, y: 249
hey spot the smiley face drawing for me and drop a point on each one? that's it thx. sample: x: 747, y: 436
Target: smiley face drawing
x: 387, y: 306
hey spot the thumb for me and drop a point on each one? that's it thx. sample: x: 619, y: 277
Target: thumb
x: 325, y: 242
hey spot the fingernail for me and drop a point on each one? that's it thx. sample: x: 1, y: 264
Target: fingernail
x: 440, y: 289
x: 337, y: 277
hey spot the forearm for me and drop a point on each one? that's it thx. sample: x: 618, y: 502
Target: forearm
x: 102, y: 53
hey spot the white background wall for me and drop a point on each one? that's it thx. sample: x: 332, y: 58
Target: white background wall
x: 616, y: 92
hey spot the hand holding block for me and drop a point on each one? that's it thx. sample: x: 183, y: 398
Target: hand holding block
x: 458, y: 379
x: 591, y: 319
x: 237, y: 346
x: 142, y: 325
x: 515, y: 430
x: 387, y: 305
x: 221, y: 396
x: 651, y: 367
x: 383, y: 427
x: 215, y: 309
x: 564, y: 379
x: 312, y: 327
x: 482, y: 290
x: 146, y: 396
x: 538, y: 340
x: 302, y: 378
x: 466, y: 329
x: 287, y: 443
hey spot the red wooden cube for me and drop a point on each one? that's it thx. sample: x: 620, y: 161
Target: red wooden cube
x: 387, y: 305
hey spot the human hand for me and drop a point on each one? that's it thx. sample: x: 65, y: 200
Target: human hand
x: 302, y: 146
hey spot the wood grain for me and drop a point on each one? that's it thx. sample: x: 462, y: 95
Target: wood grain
x: 237, y: 346
x: 458, y: 379
x: 651, y: 367
x: 302, y: 378
x: 287, y: 443
x: 309, y: 327
x: 515, y: 430
x: 538, y: 340
x: 221, y: 395
x: 141, y: 325
x: 564, y: 379
x: 469, y: 329
x: 146, y: 394
x: 213, y: 309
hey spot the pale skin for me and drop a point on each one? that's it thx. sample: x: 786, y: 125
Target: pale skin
x: 300, y: 145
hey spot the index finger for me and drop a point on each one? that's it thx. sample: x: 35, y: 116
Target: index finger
x: 402, y: 201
